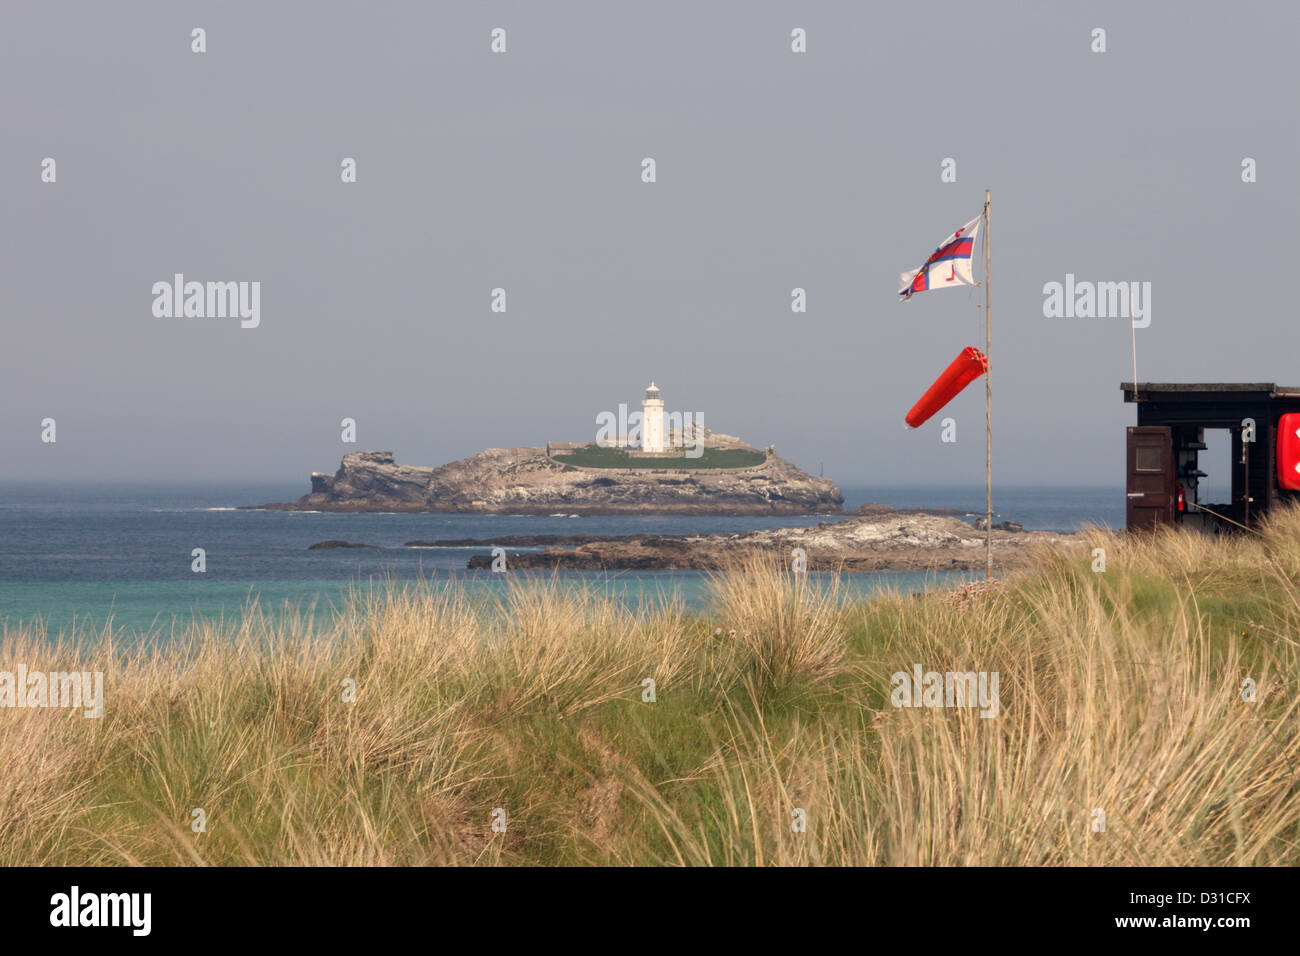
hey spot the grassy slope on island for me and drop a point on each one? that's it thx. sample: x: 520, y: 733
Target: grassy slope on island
x: 1119, y: 690
x: 594, y: 456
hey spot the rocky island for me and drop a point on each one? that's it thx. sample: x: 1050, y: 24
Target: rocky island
x: 646, y: 462
x: 584, y: 480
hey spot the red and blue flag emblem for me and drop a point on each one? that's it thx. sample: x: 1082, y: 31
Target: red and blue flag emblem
x: 948, y: 265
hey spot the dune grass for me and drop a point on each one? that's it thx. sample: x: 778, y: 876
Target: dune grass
x: 1120, y: 691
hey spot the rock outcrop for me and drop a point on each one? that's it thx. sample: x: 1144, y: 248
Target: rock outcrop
x: 526, y: 481
x: 889, y: 542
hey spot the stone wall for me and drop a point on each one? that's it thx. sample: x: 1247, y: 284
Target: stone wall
x: 554, y: 448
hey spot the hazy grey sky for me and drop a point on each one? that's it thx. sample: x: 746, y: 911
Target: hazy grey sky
x: 523, y: 170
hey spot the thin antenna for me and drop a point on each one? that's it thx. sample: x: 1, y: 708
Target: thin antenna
x: 1133, y: 332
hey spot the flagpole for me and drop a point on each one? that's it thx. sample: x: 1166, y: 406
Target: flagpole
x: 988, y: 400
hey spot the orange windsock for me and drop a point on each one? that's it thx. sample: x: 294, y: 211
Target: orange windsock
x: 965, y: 368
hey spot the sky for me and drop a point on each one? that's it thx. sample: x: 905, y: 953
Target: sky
x: 523, y: 171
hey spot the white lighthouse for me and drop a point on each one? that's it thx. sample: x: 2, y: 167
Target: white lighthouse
x: 652, y: 420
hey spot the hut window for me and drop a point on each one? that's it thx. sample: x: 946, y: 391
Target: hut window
x: 1149, y: 458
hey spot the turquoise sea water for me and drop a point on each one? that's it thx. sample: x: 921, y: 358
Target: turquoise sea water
x: 161, y: 606
x: 87, y: 554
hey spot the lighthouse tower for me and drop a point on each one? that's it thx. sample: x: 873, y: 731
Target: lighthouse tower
x: 652, y: 420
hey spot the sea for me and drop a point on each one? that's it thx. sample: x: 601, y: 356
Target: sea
x: 77, y: 558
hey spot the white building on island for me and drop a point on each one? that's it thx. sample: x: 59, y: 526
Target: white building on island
x: 652, y: 432
x: 652, y: 421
